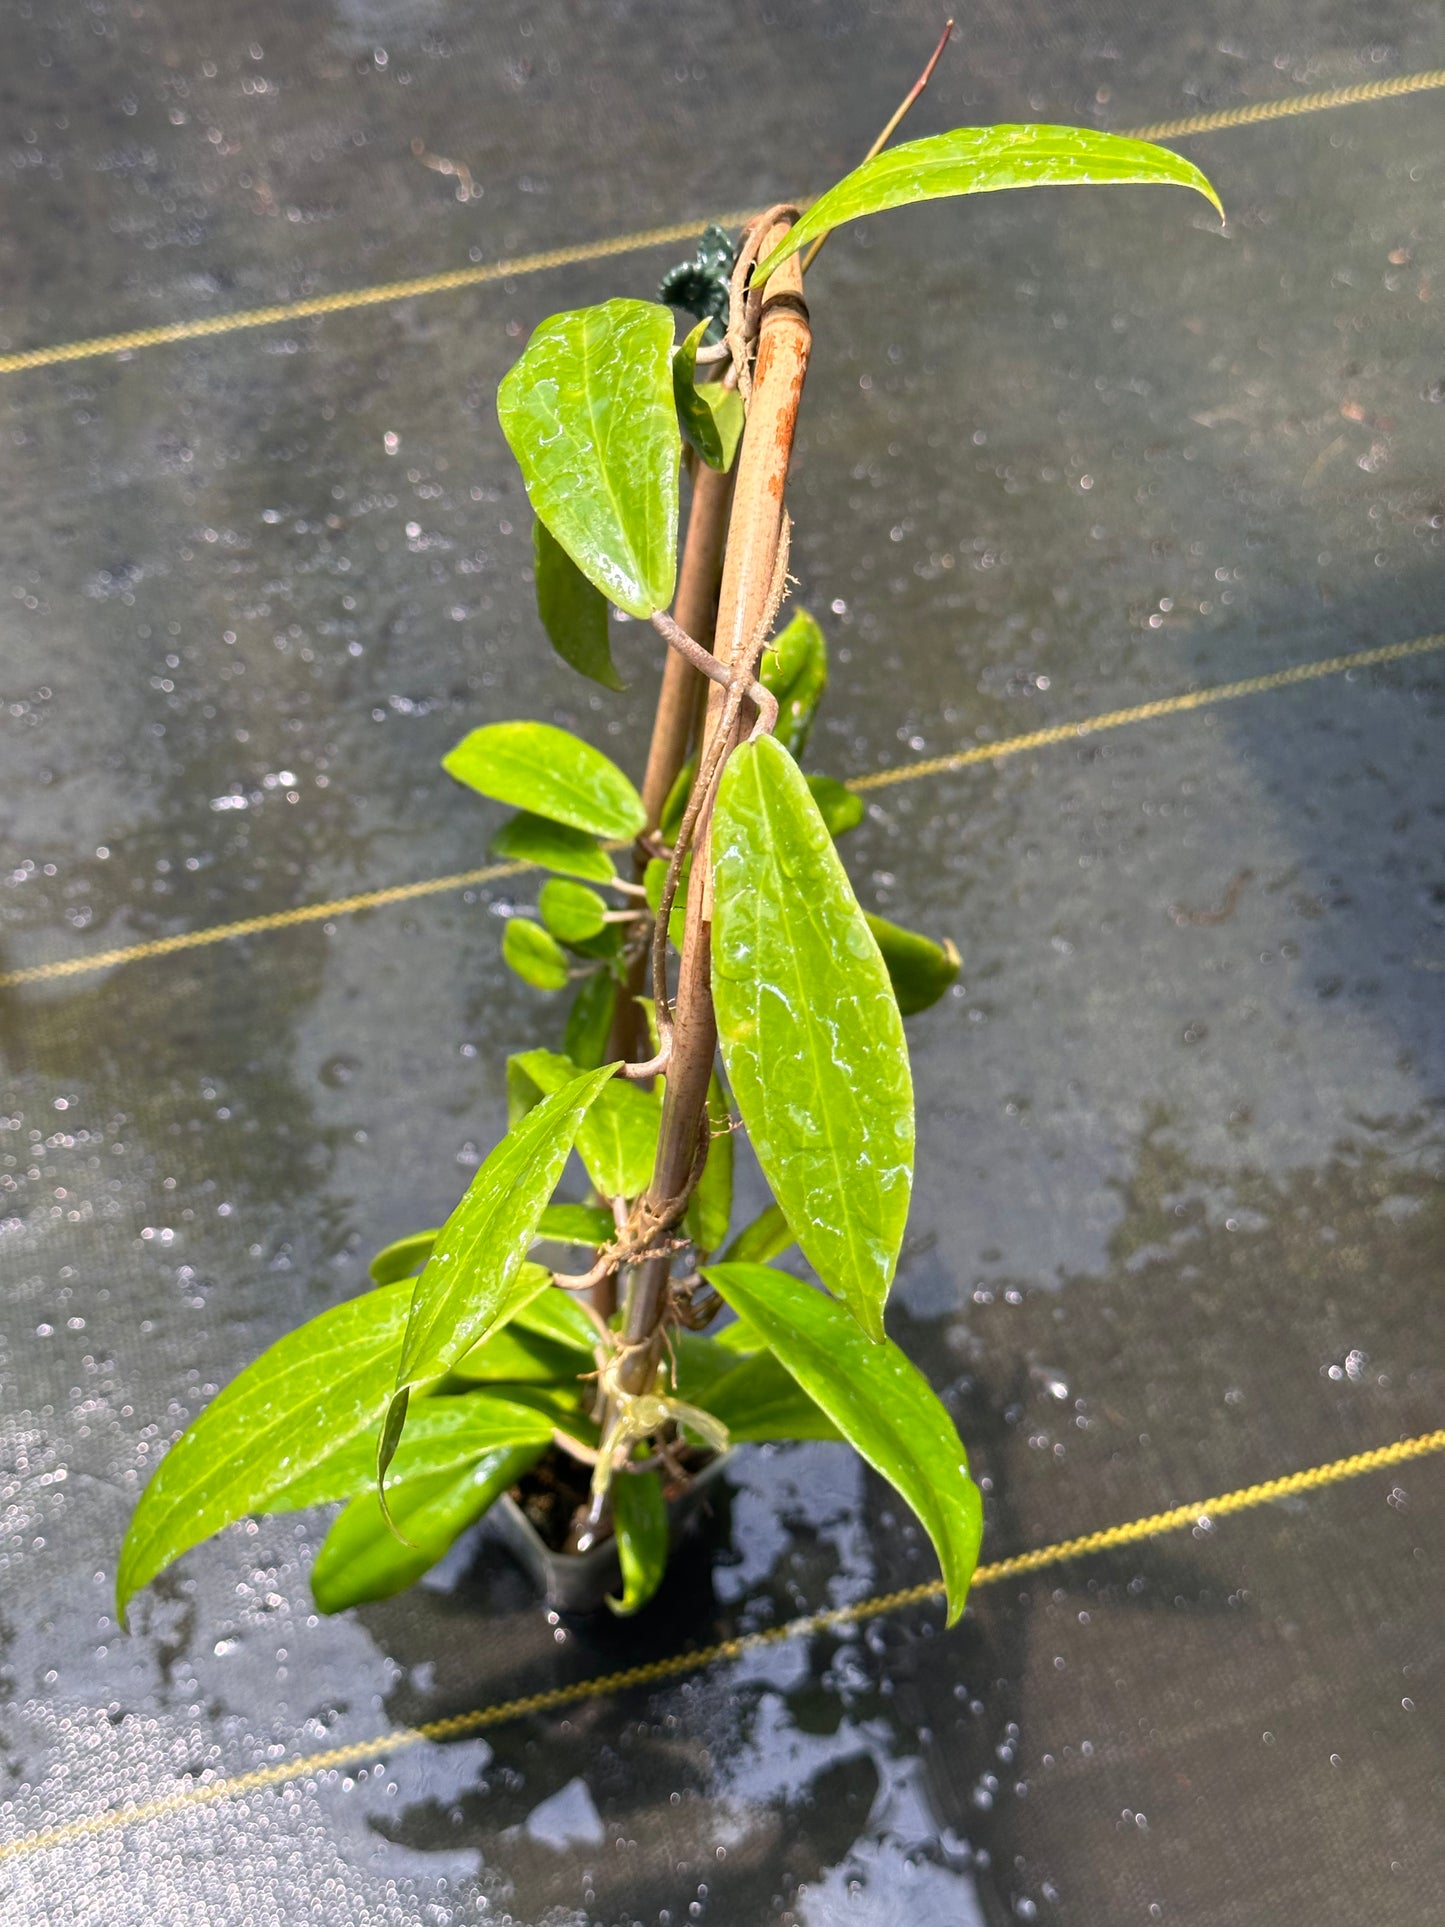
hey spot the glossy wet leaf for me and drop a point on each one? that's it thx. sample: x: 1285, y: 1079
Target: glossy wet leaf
x: 442, y: 1434
x: 526, y: 838
x: 617, y: 1141
x: 363, y: 1559
x: 983, y: 160
x: 589, y: 1021
x: 879, y: 1401
x: 759, y: 1399
x: 573, y: 611
x: 810, y: 1030
x: 515, y: 1356
x: 588, y: 413
x: 710, y: 1207
x: 839, y: 808
x: 571, y: 911
x: 639, y: 1519
x: 552, y: 773
x: 307, y: 1396
x: 403, y: 1258
x: 711, y: 417
x: 534, y: 954
x: 921, y: 970
x: 653, y: 878
x: 475, y: 1278
x: 767, y: 1237
x: 794, y: 667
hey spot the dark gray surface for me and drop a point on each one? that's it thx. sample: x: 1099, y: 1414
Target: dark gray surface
x: 1177, y: 1225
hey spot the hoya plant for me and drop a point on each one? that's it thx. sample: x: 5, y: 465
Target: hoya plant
x: 723, y: 980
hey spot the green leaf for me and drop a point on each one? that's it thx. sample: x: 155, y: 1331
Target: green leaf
x: 981, y: 160
x: 514, y: 1356
x: 589, y: 1021
x: 794, y: 668
x: 839, y: 808
x: 760, y: 1400
x: 921, y: 970
x: 653, y: 878
x: 322, y: 1385
x: 442, y: 1434
x: 810, y: 1030
x: 553, y: 846
x: 767, y: 1237
x: 617, y: 1142
x: 880, y: 1402
x: 534, y: 766
x: 711, y: 416
x: 711, y: 1205
x: 576, y: 1224
x: 573, y: 612
x: 588, y: 412
x: 475, y: 1279
x: 639, y: 1519
x: 402, y: 1259
x: 675, y: 808
x: 534, y: 954
x: 571, y: 911
x: 362, y: 1558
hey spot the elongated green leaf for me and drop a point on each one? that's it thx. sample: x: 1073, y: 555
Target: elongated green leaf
x: 982, y: 160
x: 442, y: 1435
x: 553, y: 846
x: 767, y: 1237
x: 653, y: 878
x: 675, y: 808
x: 588, y: 412
x: 589, y: 1021
x: 710, y: 1207
x: 534, y: 954
x: 639, y: 1519
x: 810, y: 1030
x: 760, y: 1400
x: 402, y: 1259
x: 920, y: 969
x: 475, y: 1279
x: 879, y: 1401
x: 617, y: 1141
x: 794, y: 668
x: 573, y: 611
x: 571, y: 911
x: 516, y: 1356
x: 549, y: 771
x: 711, y: 417
x: 839, y: 808
x: 310, y: 1394
x: 557, y: 1316
x: 576, y: 1224
x: 363, y: 1559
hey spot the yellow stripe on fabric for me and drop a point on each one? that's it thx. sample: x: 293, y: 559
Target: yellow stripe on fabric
x: 348, y: 300
x: 878, y: 779
x: 601, y: 1686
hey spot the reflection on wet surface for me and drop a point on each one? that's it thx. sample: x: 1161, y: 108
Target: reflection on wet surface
x: 1178, y: 1220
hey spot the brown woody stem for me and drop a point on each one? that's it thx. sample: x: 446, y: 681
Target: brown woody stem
x: 748, y: 595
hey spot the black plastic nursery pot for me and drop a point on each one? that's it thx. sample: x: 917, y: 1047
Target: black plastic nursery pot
x: 582, y: 1582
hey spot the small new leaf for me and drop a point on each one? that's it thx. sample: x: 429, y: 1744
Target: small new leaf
x: 920, y: 969
x: 711, y: 417
x: 537, y: 767
x: 553, y: 846
x: 839, y: 808
x: 982, y: 160
x: 794, y: 668
x: 573, y: 612
x: 534, y: 954
x: 571, y: 911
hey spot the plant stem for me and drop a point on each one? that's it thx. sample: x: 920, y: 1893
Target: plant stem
x: 747, y: 585
x: 891, y: 129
